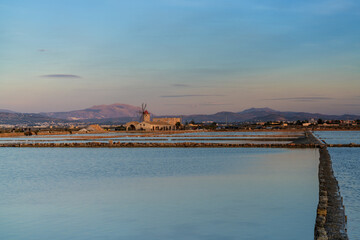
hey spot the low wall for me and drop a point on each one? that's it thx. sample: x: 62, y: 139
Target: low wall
x: 112, y: 144
x: 343, y: 145
x: 331, y: 219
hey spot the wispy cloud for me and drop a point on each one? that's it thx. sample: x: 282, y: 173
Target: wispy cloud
x: 184, y: 85
x: 216, y: 104
x: 192, y: 95
x: 332, y: 6
x: 60, y: 76
x: 187, y: 3
x: 351, y: 104
x: 199, y: 104
x: 180, y: 85
x: 97, y: 89
x: 324, y: 7
x: 300, y: 99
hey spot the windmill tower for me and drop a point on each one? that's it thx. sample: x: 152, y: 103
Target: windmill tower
x: 144, y: 114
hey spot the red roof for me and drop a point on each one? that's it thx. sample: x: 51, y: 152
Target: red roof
x: 146, y: 112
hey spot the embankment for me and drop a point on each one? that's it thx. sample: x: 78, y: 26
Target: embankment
x: 343, y: 145
x: 112, y: 144
x: 331, y: 219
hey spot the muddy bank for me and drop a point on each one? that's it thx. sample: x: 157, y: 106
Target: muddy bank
x: 343, y: 145
x: 331, y: 219
x: 112, y: 144
x: 143, y: 133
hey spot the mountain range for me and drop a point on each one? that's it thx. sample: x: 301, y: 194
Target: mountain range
x: 120, y: 113
x: 265, y: 114
x: 116, y: 110
x: 13, y: 118
x: 6, y: 111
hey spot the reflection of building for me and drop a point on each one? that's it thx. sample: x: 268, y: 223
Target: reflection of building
x: 157, y: 123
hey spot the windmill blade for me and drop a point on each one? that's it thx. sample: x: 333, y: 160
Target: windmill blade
x: 141, y: 116
x: 142, y: 112
x: 143, y: 107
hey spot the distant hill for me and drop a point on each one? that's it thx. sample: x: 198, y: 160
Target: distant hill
x: 6, y: 111
x: 24, y: 118
x: 121, y: 113
x: 99, y: 112
x: 264, y: 114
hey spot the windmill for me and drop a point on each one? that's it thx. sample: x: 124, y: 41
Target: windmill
x: 144, y: 114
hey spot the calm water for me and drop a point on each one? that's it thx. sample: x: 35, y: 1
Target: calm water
x: 253, y: 133
x: 146, y: 140
x: 339, y: 137
x: 346, y: 164
x: 156, y: 193
x: 197, y: 137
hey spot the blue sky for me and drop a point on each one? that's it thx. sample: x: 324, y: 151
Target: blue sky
x: 180, y: 56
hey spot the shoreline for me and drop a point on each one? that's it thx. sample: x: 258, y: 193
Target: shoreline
x: 21, y: 134
x: 155, y: 145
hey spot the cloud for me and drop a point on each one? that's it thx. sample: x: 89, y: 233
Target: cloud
x: 199, y: 104
x: 192, y: 95
x: 332, y: 6
x: 216, y: 104
x: 187, y: 3
x: 184, y: 85
x: 351, y: 104
x: 60, y: 76
x: 42, y: 50
x: 178, y: 104
x: 323, y: 7
x: 180, y: 85
x: 300, y: 99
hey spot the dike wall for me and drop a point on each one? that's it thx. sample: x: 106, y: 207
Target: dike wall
x: 112, y: 144
x: 330, y: 219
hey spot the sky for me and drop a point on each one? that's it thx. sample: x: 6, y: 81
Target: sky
x: 180, y: 56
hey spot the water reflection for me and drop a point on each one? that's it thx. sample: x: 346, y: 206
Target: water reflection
x: 346, y: 164
x: 339, y: 137
x: 195, y: 137
x: 158, y: 193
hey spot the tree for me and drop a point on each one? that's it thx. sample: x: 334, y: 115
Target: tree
x: 28, y: 133
x: 213, y: 125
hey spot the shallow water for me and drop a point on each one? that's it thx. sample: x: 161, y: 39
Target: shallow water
x: 253, y: 133
x: 200, y: 137
x: 339, y: 137
x: 156, y: 193
x: 145, y: 140
x: 346, y: 164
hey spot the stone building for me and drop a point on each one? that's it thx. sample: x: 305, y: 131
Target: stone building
x: 171, y: 121
x: 158, y: 124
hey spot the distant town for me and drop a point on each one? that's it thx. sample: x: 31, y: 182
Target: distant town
x: 122, y: 117
x: 157, y: 125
